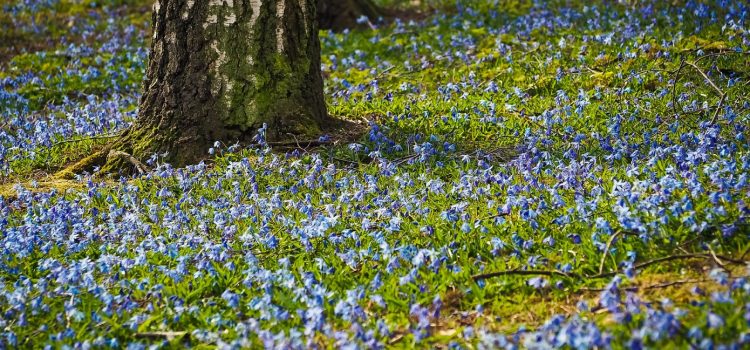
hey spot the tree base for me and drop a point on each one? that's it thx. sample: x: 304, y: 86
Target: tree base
x: 127, y: 154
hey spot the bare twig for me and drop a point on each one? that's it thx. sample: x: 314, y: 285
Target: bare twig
x: 351, y: 162
x: 404, y: 159
x: 606, y: 250
x: 733, y: 260
x: 705, y: 76
x: 717, y: 260
x: 296, y: 143
x: 671, y: 284
x: 382, y: 73
x: 747, y: 250
x: 653, y: 262
x: 675, y: 100
x: 97, y: 137
x: 495, y: 216
x: 161, y: 335
x: 653, y: 286
x: 721, y: 53
x: 718, y: 109
x: 721, y: 93
x: 397, y: 338
x: 604, y: 274
x: 524, y: 273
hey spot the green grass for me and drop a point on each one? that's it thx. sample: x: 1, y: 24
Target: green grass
x: 417, y: 113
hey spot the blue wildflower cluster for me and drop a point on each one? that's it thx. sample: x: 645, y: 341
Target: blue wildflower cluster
x: 535, y: 175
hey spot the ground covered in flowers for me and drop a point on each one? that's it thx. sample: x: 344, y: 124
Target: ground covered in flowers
x: 535, y: 174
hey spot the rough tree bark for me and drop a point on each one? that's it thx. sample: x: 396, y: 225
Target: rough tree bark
x: 341, y: 14
x: 220, y: 69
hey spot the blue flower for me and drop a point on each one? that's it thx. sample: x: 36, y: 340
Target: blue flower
x: 714, y: 321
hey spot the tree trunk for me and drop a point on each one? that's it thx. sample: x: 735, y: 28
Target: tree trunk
x: 342, y: 14
x: 220, y: 69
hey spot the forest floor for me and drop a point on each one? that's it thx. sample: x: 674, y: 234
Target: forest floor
x: 533, y: 174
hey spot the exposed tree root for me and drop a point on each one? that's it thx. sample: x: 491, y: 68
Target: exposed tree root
x: 113, y: 158
x: 132, y: 160
x: 126, y: 154
x: 8, y: 190
x: 84, y: 165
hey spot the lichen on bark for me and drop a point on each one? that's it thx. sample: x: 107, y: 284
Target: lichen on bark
x: 266, y: 63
